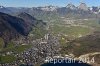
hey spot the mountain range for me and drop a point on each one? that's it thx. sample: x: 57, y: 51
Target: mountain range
x: 69, y: 11
x: 82, y: 6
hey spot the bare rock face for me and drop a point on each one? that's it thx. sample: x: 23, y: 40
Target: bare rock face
x: 83, y: 6
x: 49, y: 8
x: 71, y: 6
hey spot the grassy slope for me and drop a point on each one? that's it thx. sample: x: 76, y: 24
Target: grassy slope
x: 7, y: 59
x: 83, y: 45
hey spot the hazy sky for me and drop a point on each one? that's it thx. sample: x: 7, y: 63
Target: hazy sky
x: 35, y: 3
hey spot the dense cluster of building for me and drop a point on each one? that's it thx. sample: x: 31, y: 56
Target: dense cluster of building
x: 41, y: 48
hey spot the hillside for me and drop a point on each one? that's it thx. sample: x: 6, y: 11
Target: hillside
x: 12, y: 27
x: 84, y: 45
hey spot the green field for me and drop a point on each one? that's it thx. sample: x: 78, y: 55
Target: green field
x: 16, y: 49
x: 1, y: 43
x: 7, y: 59
x: 71, y: 31
x: 94, y: 24
x: 21, y: 48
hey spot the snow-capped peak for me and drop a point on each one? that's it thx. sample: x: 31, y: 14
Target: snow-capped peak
x: 1, y: 6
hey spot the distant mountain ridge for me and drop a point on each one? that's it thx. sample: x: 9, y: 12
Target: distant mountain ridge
x: 82, y: 11
x: 82, y: 6
x: 4, y: 9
